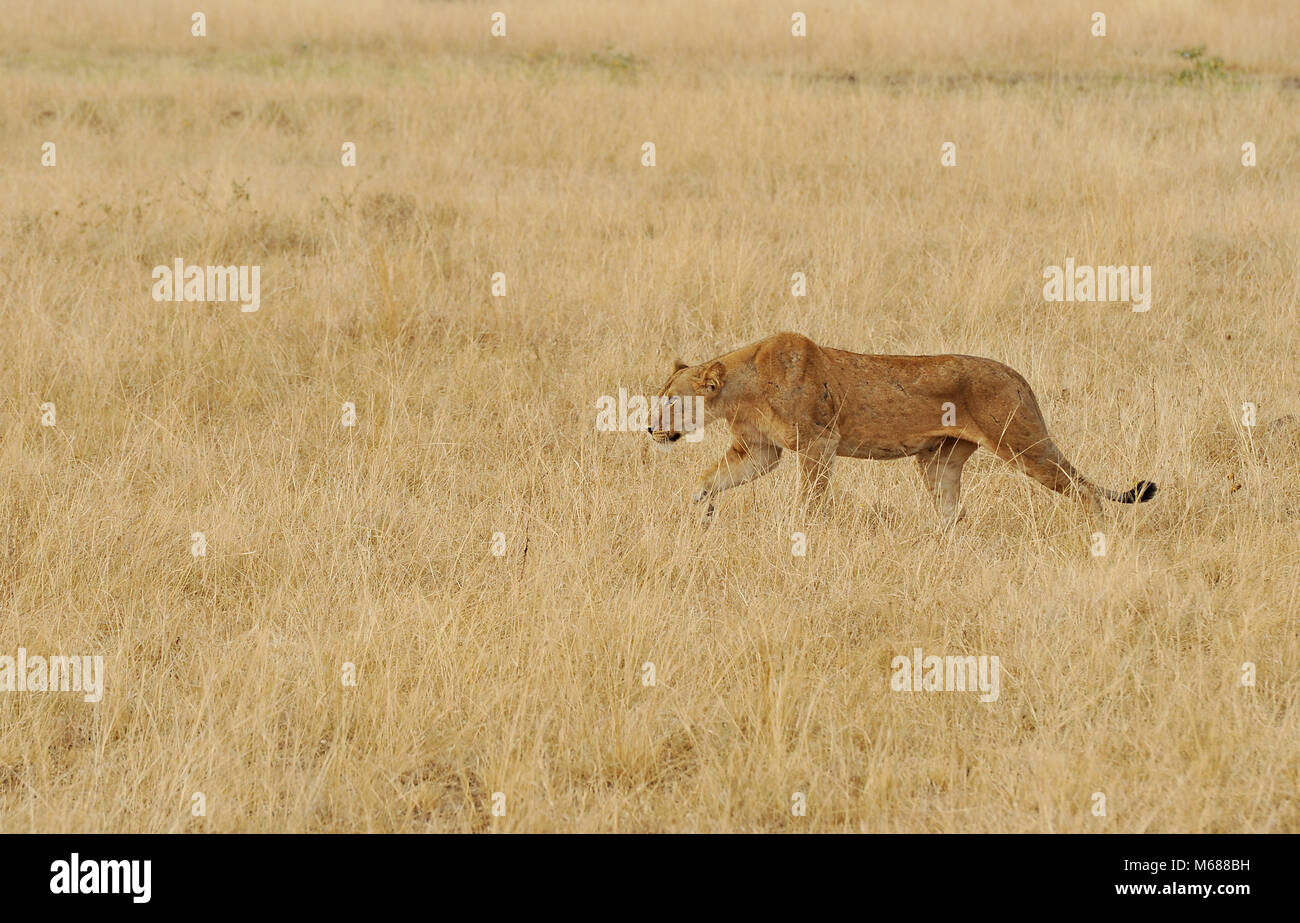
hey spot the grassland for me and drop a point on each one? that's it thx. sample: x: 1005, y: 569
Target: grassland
x: 523, y: 673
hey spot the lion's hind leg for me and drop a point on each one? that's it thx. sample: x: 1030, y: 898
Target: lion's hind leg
x: 941, y: 466
x: 1043, y: 462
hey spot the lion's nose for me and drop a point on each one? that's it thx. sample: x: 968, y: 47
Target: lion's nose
x: 650, y: 430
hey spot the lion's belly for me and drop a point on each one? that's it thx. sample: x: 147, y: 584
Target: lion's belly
x: 881, y: 450
x: 889, y: 424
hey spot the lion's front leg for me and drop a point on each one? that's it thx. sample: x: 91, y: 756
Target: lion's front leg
x: 742, y: 462
x: 815, y: 462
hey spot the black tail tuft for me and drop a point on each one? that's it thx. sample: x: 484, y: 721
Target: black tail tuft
x: 1142, y: 492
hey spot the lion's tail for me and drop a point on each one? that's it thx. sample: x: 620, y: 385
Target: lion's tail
x: 1142, y: 492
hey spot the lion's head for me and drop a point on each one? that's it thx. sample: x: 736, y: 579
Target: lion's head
x: 681, y: 408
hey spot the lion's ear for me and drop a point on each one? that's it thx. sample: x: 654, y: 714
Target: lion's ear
x: 679, y: 365
x: 710, y: 380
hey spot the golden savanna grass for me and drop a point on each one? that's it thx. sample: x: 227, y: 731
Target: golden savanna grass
x: 522, y: 674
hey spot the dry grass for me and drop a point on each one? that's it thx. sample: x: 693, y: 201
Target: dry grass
x: 522, y: 673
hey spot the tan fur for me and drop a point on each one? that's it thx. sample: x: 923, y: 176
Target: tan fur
x: 787, y: 394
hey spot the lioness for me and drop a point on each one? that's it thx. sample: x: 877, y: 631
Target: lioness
x: 786, y: 393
